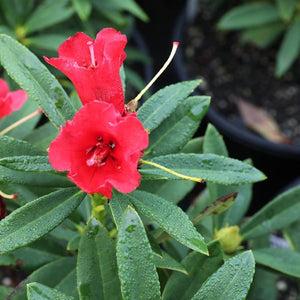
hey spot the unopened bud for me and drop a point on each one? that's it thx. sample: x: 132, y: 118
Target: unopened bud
x: 230, y: 239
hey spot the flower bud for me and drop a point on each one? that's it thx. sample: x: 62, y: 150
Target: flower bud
x: 229, y: 237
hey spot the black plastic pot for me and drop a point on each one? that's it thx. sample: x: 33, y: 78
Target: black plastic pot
x: 281, y: 163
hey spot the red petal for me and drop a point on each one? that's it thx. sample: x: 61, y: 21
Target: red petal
x: 4, y: 89
x: 102, y: 82
x: 17, y: 99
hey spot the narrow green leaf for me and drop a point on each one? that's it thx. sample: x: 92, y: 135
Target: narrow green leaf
x: 174, y: 132
x: 27, y: 163
x: 289, y: 49
x: 83, y: 8
x: 170, y: 218
x: 42, y: 136
x: 25, y: 68
x: 210, y: 167
x: 34, y: 178
x: 118, y: 204
x: 263, y: 36
x: 12, y: 147
x: 199, y: 268
x: 21, y: 131
x: 217, y: 207
x: 168, y: 262
x: 280, y: 212
x: 292, y: 234
x: 137, y: 271
x: 48, y: 14
x: 97, y: 274
x: 214, y: 143
x: 46, y: 41
x: 37, y: 291
x: 59, y: 274
x: 264, y: 285
x: 241, y: 17
x: 286, y: 8
x: 160, y: 106
x: 171, y: 190
x: 37, y: 218
x: 283, y: 260
x: 231, y: 281
x: 5, y: 291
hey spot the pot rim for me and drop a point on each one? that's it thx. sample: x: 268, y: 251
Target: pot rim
x: 237, y: 134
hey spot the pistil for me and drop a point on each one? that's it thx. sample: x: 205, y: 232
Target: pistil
x: 91, y: 48
x: 99, y: 153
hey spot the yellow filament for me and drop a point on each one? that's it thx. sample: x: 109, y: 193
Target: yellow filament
x: 166, y: 64
x: 150, y: 163
x: 6, y: 196
x: 21, y: 121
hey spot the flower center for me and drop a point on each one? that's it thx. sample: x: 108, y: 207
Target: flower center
x: 98, y: 154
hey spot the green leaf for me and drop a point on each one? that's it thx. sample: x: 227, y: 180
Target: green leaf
x: 5, y: 291
x: 283, y: 260
x: 292, y: 235
x: 168, y: 262
x: 264, y: 285
x: 171, y: 190
x: 137, y: 271
x: 217, y: 207
x: 286, y: 8
x: 21, y: 131
x: 175, y: 131
x: 27, y: 163
x: 37, y: 254
x: 160, y: 106
x: 59, y: 274
x: 118, y: 204
x: 264, y: 35
x: 13, y: 147
x: 241, y: 17
x: 48, y: 14
x: 32, y: 76
x: 97, y: 274
x: 199, y: 268
x: 42, y: 136
x: 210, y: 167
x: 83, y: 8
x: 34, y: 178
x: 46, y: 41
x: 169, y: 217
x: 213, y: 143
x: 231, y: 281
x: 280, y: 212
x: 37, y: 218
x: 37, y: 291
x: 289, y: 49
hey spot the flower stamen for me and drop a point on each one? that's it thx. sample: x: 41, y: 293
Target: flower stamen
x: 132, y: 105
x: 21, y: 121
x: 91, y: 48
x: 7, y: 196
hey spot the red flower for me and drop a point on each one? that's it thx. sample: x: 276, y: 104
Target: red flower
x: 94, y: 66
x: 100, y: 149
x: 10, y: 101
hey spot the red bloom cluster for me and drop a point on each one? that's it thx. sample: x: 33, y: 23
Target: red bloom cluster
x: 102, y: 145
x: 10, y: 101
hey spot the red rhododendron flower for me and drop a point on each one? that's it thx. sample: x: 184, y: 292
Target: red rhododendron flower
x: 100, y: 148
x: 10, y: 101
x: 94, y: 66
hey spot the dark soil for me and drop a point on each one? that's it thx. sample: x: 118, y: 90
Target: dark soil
x: 233, y: 70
